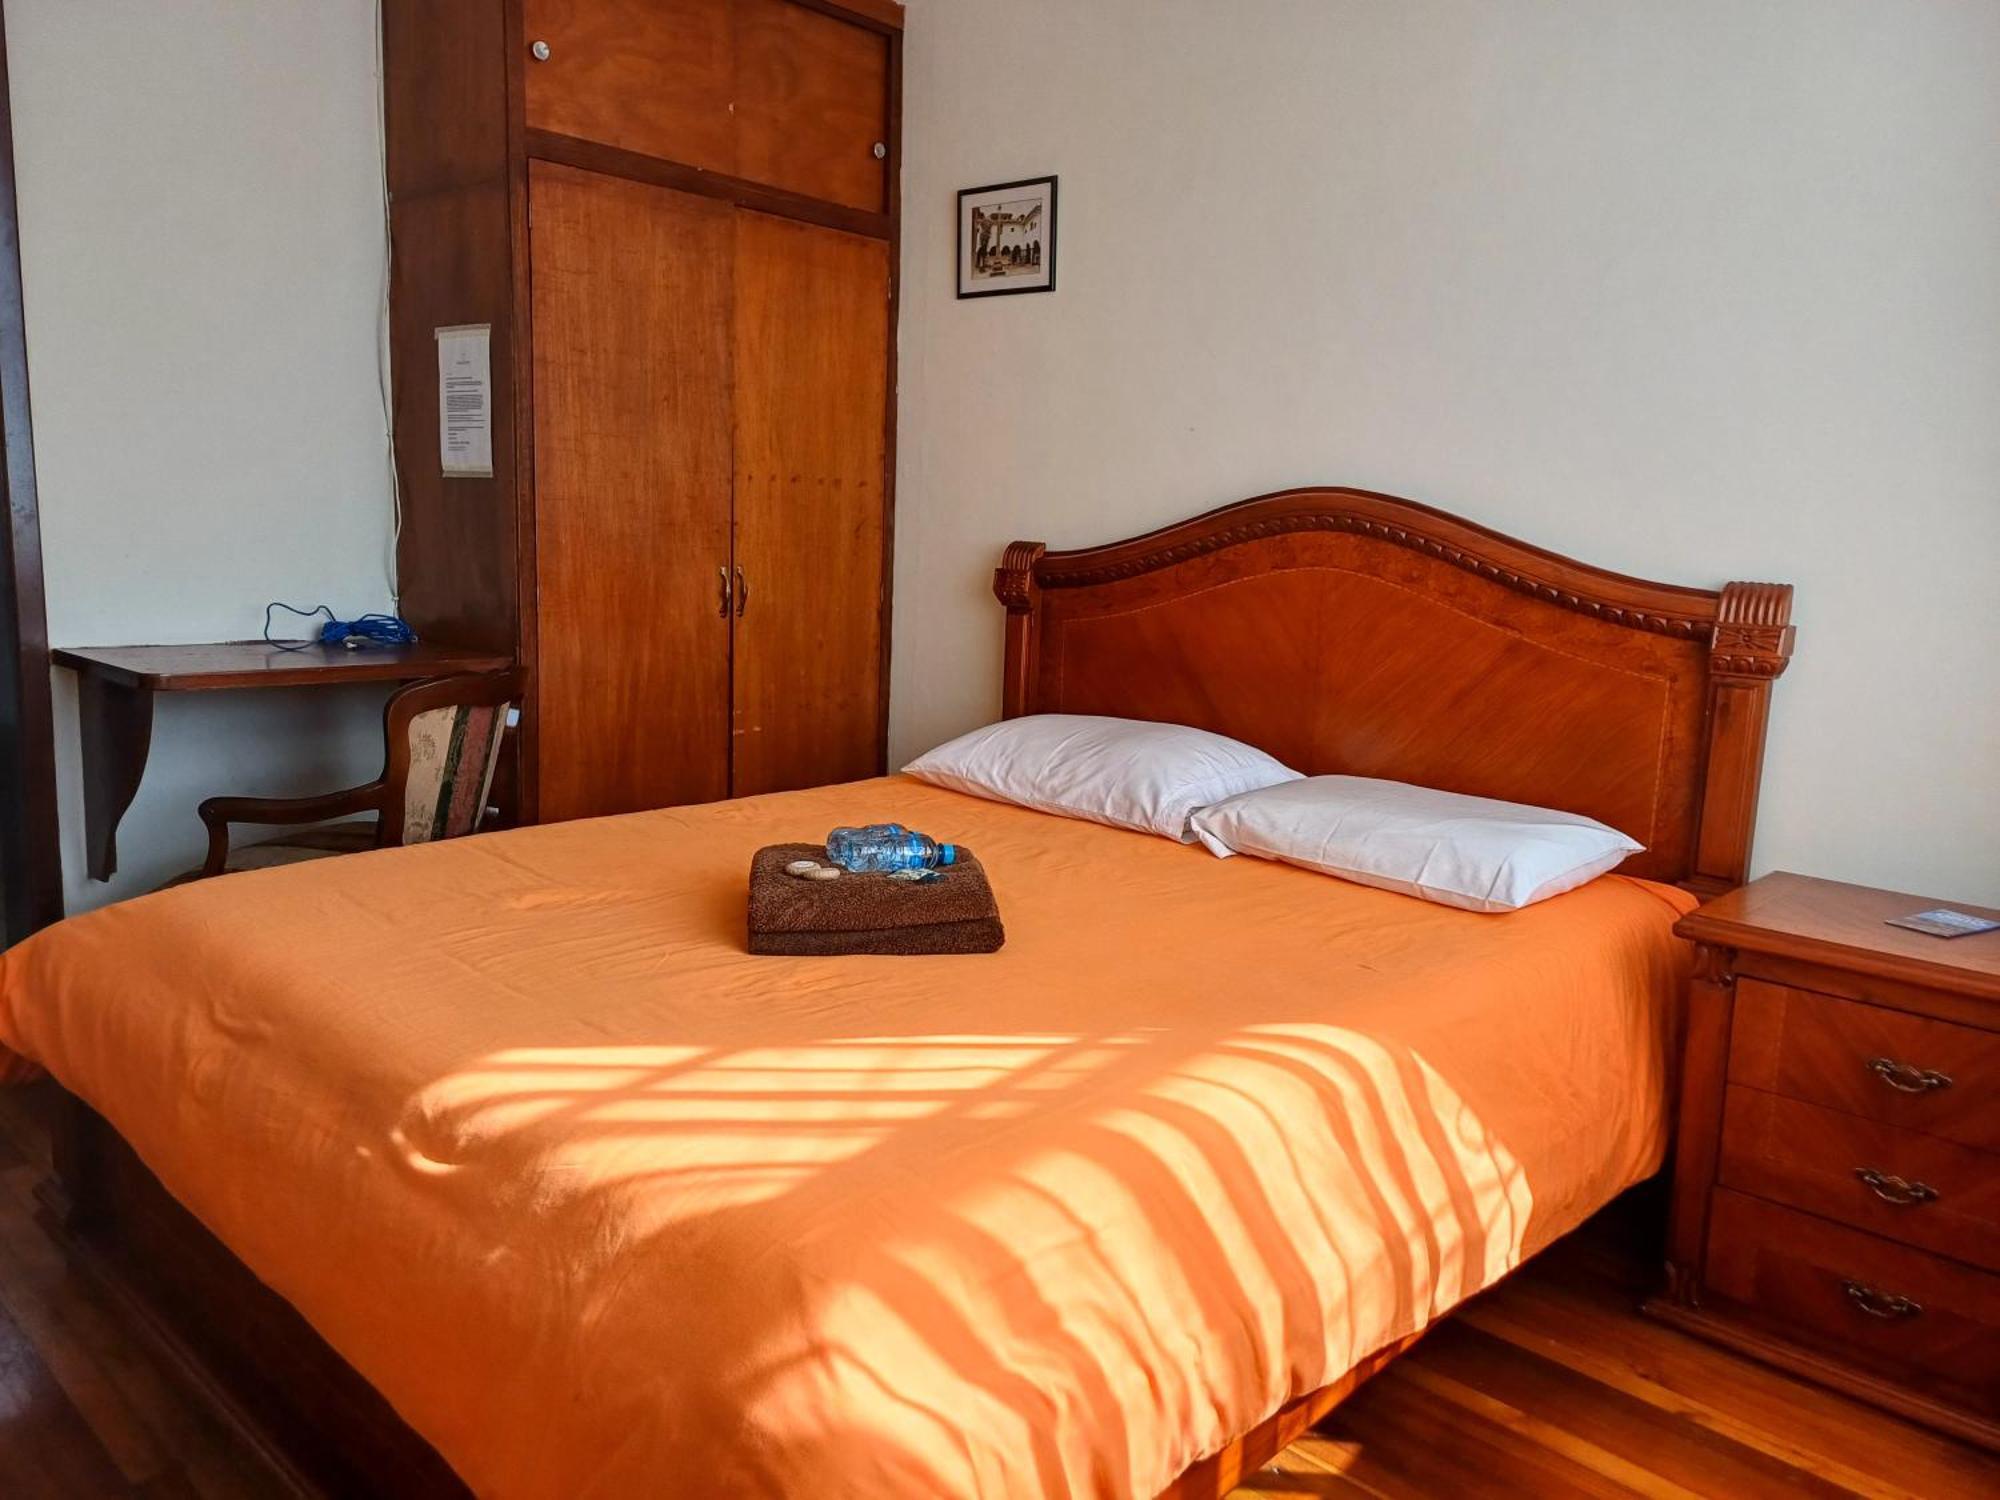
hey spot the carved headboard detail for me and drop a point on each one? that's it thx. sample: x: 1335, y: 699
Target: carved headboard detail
x: 1352, y: 632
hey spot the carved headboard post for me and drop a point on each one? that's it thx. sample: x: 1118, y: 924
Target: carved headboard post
x: 1015, y: 585
x: 1749, y: 650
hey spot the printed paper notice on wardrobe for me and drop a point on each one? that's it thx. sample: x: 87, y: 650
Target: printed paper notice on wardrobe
x: 465, y: 401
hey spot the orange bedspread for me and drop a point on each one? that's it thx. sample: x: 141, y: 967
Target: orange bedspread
x: 608, y: 1208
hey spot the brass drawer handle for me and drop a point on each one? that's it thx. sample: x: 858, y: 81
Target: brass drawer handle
x: 1893, y: 1189
x: 1878, y: 1303
x: 1908, y: 1078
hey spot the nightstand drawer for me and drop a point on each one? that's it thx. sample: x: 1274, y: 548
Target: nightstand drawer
x: 1929, y: 1322
x: 1919, y: 1189
x: 1906, y: 1070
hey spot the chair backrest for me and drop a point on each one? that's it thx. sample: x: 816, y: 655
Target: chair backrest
x: 444, y: 741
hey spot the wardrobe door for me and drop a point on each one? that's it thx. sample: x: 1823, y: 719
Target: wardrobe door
x: 656, y: 76
x: 630, y: 692
x: 812, y: 344
x: 812, y: 103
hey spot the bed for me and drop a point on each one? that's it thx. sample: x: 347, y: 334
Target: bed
x: 498, y: 1164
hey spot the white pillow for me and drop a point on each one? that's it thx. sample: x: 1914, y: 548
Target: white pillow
x: 1468, y: 852
x: 1125, y: 772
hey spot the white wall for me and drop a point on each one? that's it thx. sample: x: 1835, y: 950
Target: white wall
x: 201, y: 245
x: 1701, y: 291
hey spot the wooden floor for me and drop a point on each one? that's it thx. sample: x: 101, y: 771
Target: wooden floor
x: 1549, y: 1386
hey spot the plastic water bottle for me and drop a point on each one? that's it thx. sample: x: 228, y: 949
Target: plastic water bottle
x: 886, y: 847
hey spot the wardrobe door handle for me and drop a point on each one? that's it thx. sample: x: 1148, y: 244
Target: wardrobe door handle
x: 1908, y: 1078
x: 742, y: 593
x: 1890, y: 1188
x: 724, y: 611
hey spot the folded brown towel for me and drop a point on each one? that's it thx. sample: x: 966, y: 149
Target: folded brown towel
x: 869, y: 913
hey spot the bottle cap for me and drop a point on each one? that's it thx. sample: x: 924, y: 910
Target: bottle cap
x: 947, y: 854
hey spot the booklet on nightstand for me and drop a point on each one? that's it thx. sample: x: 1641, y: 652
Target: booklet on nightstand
x: 1945, y: 923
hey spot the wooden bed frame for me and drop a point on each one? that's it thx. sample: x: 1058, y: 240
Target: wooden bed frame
x: 1354, y: 633
x: 1340, y: 630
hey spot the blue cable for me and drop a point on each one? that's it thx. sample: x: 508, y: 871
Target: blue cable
x: 369, y: 630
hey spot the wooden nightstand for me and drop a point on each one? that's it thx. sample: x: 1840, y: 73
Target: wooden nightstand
x: 1836, y: 1198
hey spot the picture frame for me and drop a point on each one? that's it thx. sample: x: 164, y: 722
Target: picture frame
x: 1007, y: 238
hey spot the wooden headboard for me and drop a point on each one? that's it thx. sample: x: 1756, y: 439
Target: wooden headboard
x: 1350, y: 632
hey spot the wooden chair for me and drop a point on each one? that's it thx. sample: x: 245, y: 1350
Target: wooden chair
x: 443, y: 742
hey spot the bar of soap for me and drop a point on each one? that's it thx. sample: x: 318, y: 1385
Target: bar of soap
x: 821, y: 872
x: 802, y: 867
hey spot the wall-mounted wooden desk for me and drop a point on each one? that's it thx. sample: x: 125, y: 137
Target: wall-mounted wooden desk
x: 115, y: 687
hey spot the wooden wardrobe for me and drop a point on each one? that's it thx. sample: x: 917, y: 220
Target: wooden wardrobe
x: 679, y: 219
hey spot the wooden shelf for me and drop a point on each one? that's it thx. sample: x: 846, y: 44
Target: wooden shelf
x: 258, y: 664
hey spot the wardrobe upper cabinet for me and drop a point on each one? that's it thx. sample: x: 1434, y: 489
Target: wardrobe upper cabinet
x: 795, y: 64
x: 774, y: 92
x: 656, y: 76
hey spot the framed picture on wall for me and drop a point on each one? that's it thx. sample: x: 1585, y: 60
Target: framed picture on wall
x: 1007, y: 238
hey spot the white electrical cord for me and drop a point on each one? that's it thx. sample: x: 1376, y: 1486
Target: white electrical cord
x: 383, y: 367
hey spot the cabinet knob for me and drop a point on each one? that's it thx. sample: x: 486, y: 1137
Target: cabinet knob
x: 540, y: 51
x: 881, y: 151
